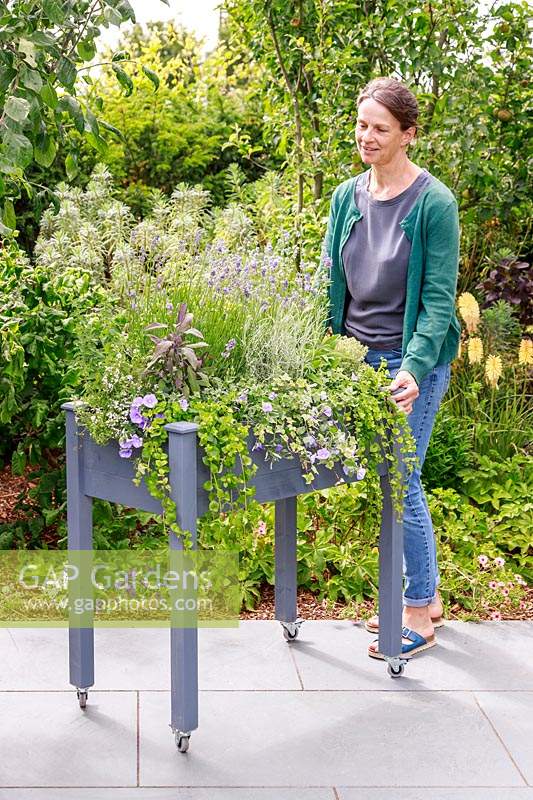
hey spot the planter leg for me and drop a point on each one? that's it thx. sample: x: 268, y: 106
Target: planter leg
x: 285, y: 580
x: 80, y: 537
x: 390, y: 573
x: 183, y: 638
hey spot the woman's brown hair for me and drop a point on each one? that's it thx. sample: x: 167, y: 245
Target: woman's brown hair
x: 395, y: 96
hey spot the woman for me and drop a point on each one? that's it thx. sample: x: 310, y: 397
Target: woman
x: 393, y: 248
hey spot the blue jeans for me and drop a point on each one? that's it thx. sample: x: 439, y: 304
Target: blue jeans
x: 420, y: 567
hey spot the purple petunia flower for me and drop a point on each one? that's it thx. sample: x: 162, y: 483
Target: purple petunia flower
x: 150, y: 400
x: 323, y: 453
x: 125, y: 452
x: 136, y: 441
x: 327, y: 411
x: 310, y: 440
x: 258, y: 446
x: 266, y: 407
x: 135, y: 415
x: 184, y: 403
x: 137, y: 401
x: 361, y: 472
x: 272, y: 395
x: 243, y: 397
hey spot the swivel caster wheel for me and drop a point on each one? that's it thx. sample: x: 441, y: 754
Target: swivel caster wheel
x: 396, y: 666
x: 182, y: 740
x: 82, y: 697
x: 291, y: 630
x: 395, y: 672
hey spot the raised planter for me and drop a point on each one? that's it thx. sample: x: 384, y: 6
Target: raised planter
x: 94, y: 471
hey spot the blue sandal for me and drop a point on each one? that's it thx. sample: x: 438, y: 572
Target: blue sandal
x: 408, y: 650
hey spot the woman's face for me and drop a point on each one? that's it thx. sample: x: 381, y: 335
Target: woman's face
x: 378, y: 133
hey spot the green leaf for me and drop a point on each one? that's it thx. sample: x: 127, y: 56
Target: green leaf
x: 18, y: 462
x: 30, y: 78
x: 17, y: 108
x: 53, y: 11
x: 125, y: 10
x: 43, y: 39
x: 28, y: 48
x: 99, y: 144
x: 124, y: 79
x: 71, y: 165
x: 18, y: 148
x: 111, y: 128
x: 8, y: 215
x: 112, y: 16
x: 49, y: 95
x: 6, y: 76
x: 92, y: 122
x: 66, y: 72
x: 120, y: 55
x: 72, y: 107
x: 45, y: 150
x: 86, y: 49
x: 152, y: 76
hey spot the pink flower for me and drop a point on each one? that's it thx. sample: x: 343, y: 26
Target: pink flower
x: 493, y: 585
x: 261, y: 528
x: 501, y: 584
x: 499, y: 561
x: 483, y: 561
x: 505, y: 592
x: 522, y: 605
x: 496, y: 615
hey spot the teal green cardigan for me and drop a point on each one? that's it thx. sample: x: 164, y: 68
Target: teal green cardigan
x: 431, y: 329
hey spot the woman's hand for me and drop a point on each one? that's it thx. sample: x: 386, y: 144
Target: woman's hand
x: 408, y: 393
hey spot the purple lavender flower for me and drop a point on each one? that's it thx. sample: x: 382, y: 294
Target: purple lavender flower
x: 184, y: 403
x: 125, y: 452
x: 149, y: 400
x: 228, y: 348
x: 267, y: 407
x: 323, y: 453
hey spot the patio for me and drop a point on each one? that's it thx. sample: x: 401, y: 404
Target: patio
x: 312, y: 720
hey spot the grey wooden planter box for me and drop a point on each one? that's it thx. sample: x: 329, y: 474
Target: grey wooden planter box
x: 94, y: 471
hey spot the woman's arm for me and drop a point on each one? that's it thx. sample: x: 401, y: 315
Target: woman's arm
x: 439, y: 286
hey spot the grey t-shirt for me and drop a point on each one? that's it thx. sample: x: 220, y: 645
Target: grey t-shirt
x: 375, y: 258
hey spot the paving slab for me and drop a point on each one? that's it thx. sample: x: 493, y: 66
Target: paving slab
x: 469, y: 656
x: 169, y: 794
x: 435, y: 794
x: 253, y: 656
x: 46, y: 740
x: 313, y: 739
x: 512, y: 717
